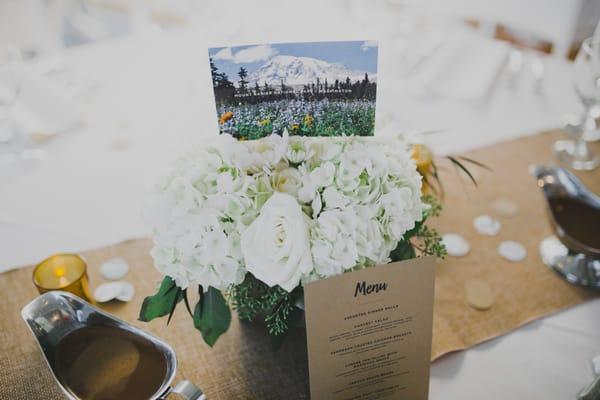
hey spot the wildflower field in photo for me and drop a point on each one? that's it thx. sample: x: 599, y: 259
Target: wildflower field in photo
x: 300, y: 117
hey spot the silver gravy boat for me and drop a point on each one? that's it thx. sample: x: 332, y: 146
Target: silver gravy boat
x: 578, y: 262
x: 54, y: 314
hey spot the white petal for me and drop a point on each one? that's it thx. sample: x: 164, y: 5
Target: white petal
x: 316, y: 206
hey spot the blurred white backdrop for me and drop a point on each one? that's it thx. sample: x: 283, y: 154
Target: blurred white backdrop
x: 44, y: 26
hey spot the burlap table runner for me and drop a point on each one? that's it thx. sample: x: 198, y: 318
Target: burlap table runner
x: 243, y: 365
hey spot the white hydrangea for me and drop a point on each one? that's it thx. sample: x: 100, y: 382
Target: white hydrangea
x: 357, y: 197
x: 333, y: 241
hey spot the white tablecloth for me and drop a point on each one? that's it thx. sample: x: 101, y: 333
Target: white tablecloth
x: 147, y: 98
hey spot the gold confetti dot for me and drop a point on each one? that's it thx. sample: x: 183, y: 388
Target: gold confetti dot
x: 479, y: 294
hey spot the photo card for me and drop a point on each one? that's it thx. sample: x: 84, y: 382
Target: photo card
x: 310, y: 89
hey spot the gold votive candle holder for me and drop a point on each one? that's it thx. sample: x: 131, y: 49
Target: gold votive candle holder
x: 66, y: 272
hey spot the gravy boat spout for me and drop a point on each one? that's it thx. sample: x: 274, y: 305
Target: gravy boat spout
x: 53, y: 315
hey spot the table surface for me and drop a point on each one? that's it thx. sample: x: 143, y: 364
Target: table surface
x: 148, y: 97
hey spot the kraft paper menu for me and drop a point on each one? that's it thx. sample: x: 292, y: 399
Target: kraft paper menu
x: 369, y: 332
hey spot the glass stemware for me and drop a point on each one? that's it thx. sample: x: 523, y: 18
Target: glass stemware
x: 576, y: 153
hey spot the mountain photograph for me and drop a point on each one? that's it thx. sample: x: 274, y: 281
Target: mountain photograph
x: 296, y: 71
x: 308, y: 89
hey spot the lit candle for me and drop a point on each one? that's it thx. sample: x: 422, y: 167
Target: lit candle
x: 66, y: 272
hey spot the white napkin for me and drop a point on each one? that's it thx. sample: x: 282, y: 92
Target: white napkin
x: 465, y: 68
x: 41, y: 109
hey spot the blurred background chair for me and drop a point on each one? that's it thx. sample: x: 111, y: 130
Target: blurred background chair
x: 551, y: 26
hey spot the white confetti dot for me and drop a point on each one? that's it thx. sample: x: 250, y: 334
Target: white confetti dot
x: 122, y: 291
x: 114, y: 269
x: 456, y: 245
x: 512, y: 251
x: 127, y: 292
x: 486, y: 225
x: 107, y: 291
x: 505, y: 207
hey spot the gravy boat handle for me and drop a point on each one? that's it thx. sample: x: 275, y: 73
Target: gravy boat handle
x: 187, y: 391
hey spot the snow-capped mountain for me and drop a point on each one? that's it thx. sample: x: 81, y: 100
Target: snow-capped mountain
x: 302, y: 70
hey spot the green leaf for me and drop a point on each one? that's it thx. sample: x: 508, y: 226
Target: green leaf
x: 176, y: 300
x: 404, y: 251
x: 212, y: 315
x: 463, y: 168
x: 187, y: 303
x: 161, y: 303
x: 475, y: 162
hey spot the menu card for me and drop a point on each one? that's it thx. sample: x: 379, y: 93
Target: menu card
x: 369, y: 332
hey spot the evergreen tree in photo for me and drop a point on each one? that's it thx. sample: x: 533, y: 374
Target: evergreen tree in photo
x: 214, y: 72
x: 362, y: 88
x: 356, y: 89
x: 243, y: 83
x: 224, y: 81
x: 256, y: 88
x: 223, y: 87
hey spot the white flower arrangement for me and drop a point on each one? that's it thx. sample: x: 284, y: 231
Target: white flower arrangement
x: 278, y: 212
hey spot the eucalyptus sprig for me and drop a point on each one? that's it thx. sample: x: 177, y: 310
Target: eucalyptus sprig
x: 254, y: 299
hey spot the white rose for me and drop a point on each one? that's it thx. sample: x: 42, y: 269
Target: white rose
x: 275, y: 246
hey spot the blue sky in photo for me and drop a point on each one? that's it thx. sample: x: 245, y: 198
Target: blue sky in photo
x: 355, y: 55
